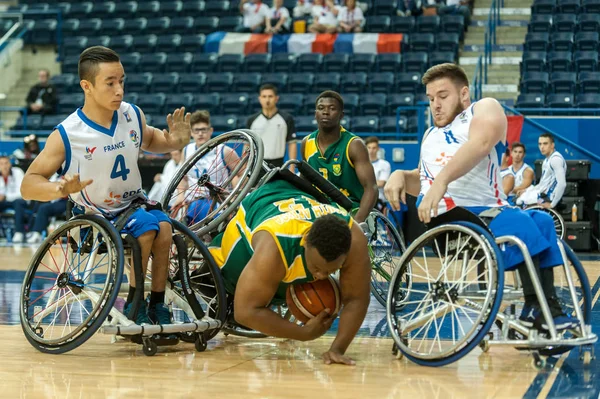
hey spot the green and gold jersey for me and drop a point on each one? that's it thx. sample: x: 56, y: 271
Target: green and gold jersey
x: 335, y: 164
x: 283, y: 211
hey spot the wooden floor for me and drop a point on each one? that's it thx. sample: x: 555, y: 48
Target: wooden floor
x: 235, y: 367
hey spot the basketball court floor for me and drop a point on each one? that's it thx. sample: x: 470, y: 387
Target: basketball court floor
x: 235, y: 367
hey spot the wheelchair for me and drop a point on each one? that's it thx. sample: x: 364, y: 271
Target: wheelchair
x: 221, y: 194
x: 72, y: 286
x: 460, y: 298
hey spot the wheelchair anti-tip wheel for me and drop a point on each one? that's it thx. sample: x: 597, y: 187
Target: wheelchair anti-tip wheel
x: 71, y: 284
x: 456, y: 276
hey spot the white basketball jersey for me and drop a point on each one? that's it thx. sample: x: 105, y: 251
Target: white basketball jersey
x: 519, y: 173
x: 548, y: 180
x: 108, y: 156
x: 213, y: 164
x: 481, y: 187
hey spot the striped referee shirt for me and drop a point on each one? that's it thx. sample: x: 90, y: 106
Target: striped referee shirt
x: 275, y: 133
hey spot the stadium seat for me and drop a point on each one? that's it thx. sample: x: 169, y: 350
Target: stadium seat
x: 561, y: 41
x: 70, y: 27
x: 441, y: 57
x: 193, y: 7
x: 131, y: 98
x: 378, y: 24
x: 89, y: 27
x: 207, y: 101
x: 224, y: 123
x: 174, y: 101
x: 563, y: 82
x: 33, y: 122
x: 408, y: 82
x: 587, y: 41
x: 113, y: 26
x: 219, y: 82
x: 309, y: 62
x: 216, y: 8
x: 300, y: 82
x: 280, y: 80
x: 75, y: 45
x: 80, y: 10
x: 192, y: 43
x: 382, y: 82
x: 168, y: 43
x: 246, y: 82
x: 120, y: 44
x: 144, y: 43
x: 530, y: 101
x: 49, y: 122
x: 126, y: 10
x: 415, y: 62
x: 559, y: 101
x: 537, y: 41
x: 308, y: 105
x: 588, y: 100
x: 534, y: 61
x: 372, y: 104
x: 428, y: 24
x: 70, y: 64
x: 230, y: 63
x: 154, y: 62
x: 453, y: 24
x: 540, y: 23
x: 389, y: 62
x: 206, y: 25
x: 567, y: 7
x: 158, y: 26
x: 326, y: 81
x: 589, y: 82
x: 205, y: 62
x: 362, y: 62
x: 385, y: 7
x: 351, y: 101
x: 589, y: 22
x: 65, y: 83
x: 148, y: 9
x: 234, y: 103
x: 131, y: 62
x: 152, y: 103
x: 183, y: 26
x: 172, y: 9
x: 257, y: 63
x: 336, y: 62
x: 283, y: 62
x: 138, y: 82
x: 564, y: 23
x: 191, y: 82
x: 400, y: 100
x: 534, y: 82
x: 164, y: 82
x: 390, y: 124
x: 291, y: 102
x: 447, y: 42
x: 404, y: 25
x: 346, y: 122
x: 586, y: 61
x: 590, y: 7
x: 305, y: 124
x: 560, y: 61
x: 179, y: 62
x: 543, y: 6
x: 365, y: 124
x: 44, y: 31
x: 422, y: 42
x: 354, y: 83
x: 229, y: 24
x: 68, y: 104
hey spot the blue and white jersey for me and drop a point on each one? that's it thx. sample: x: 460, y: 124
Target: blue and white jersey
x: 548, y: 181
x: 518, y: 174
x: 211, y: 164
x: 108, y: 156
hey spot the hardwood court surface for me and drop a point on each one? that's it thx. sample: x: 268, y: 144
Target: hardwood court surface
x: 234, y: 367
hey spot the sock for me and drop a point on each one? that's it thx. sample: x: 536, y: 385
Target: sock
x: 131, y: 294
x: 528, y: 289
x: 156, y: 298
x: 547, y: 280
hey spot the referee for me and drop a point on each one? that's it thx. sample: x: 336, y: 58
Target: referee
x: 276, y: 128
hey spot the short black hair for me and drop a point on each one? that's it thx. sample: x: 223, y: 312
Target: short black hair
x: 91, y: 57
x: 331, y: 94
x: 331, y: 236
x: 547, y: 135
x: 517, y: 144
x: 268, y: 86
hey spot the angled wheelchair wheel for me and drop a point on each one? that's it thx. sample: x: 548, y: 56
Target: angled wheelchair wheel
x: 386, y: 247
x: 559, y: 222
x: 231, y: 164
x: 456, y: 276
x: 71, y: 284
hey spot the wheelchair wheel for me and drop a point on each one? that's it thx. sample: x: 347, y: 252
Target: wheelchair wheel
x: 208, y: 201
x: 456, y: 275
x: 386, y: 247
x: 559, y: 222
x: 71, y: 284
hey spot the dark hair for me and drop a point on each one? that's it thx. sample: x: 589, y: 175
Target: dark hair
x: 547, y: 135
x: 91, y: 57
x: 331, y: 94
x: 331, y: 236
x: 200, y: 117
x: 451, y: 71
x: 371, y: 139
x: 516, y: 144
x: 268, y: 86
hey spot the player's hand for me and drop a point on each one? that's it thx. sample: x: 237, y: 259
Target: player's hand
x: 395, y: 189
x: 180, y: 131
x: 318, y: 326
x: 431, y: 201
x: 71, y: 185
x: 546, y: 205
x: 335, y: 357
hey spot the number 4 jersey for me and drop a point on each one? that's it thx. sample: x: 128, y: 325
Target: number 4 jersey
x: 108, y: 156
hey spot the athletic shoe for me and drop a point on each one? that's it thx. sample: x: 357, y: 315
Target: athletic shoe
x: 529, y: 315
x: 17, y: 237
x: 532, y: 316
x: 160, y: 314
x: 142, y: 314
x: 34, y: 238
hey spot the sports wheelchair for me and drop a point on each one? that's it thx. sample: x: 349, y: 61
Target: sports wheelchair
x: 459, y: 296
x: 219, y: 195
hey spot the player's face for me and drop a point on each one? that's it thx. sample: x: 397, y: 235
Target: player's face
x: 318, y: 266
x: 546, y: 146
x: 176, y: 155
x: 446, y: 100
x: 328, y: 113
x: 268, y: 100
x: 373, y: 148
x: 43, y: 77
x: 517, y: 154
x: 201, y: 132
x: 4, y: 166
x: 108, y: 89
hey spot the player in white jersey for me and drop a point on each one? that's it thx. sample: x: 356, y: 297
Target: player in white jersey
x: 460, y: 167
x: 381, y: 167
x: 549, y: 191
x: 523, y: 173
x: 508, y: 179
x: 96, y: 149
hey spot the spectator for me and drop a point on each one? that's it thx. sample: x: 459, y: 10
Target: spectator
x: 508, y: 178
x: 255, y: 13
x: 350, y: 18
x: 279, y: 21
x: 460, y: 7
x: 31, y: 148
x: 381, y: 167
x: 10, y: 186
x: 324, y: 14
x: 303, y: 9
x: 523, y: 173
x: 42, y: 98
x: 275, y: 127
x: 409, y: 7
x: 161, y: 180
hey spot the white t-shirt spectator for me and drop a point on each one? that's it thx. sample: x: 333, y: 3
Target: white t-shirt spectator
x: 11, y: 186
x: 281, y: 13
x: 324, y: 16
x: 382, y: 169
x: 350, y: 17
x: 255, y: 13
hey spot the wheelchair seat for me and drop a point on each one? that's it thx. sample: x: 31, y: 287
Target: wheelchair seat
x: 458, y: 214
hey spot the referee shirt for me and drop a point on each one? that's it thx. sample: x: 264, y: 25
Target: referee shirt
x: 275, y: 133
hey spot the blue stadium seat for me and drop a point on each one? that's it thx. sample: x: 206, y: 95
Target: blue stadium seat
x: 403, y: 24
x: 365, y: 124
x: 171, y: 9
x: 588, y: 100
x: 540, y: 23
x: 400, y: 100
x: 219, y: 82
x: 126, y: 10
x: 33, y: 9
x: 113, y: 26
x: 230, y: 63
x: 33, y: 123
x: 372, y: 104
x: 192, y: 43
x: 564, y: 23
x: 441, y: 57
x: 235, y: 103
x: 378, y: 24
x: 590, y: 7
x: 247, y: 82
x: 428, y: 24
x: 336, y: 62
x: 534, y: 61
x: 362, y: 62
x: 586, y: 61
x: 560, y: 61
x: 137, y: 26
x: 561, y: 41
x: 300, y: 82
x: 152, y: 103
x: 182, y: 25
x: 280, y: 80
x: 65, y: 83
x: 229, y: 24
x: 49, y: 122
x: 447, y: 42
x: 409, y: 82
x: 70, y: 27
x: 308, y: 106
x: 543, y: 6
x: 206, y: 25
x: 191, y: 82
x: 534, y: 82
x: 354, y: 82
x: 121, y: 44
x: 385, y: 7
x: 68, y: 104
x: 103, y: 10
x: 531, y: 101
x: 453, y: 24
x: 382, y: 82
x: 164, y: 82
x: 154, y: 62
x: 309, y: 62
x: 589, y: 22
x: 346, y: 122
x: 563, y: 82
x: 89, y: 27
x: 138, y: 82
x: 257, y: 63
x: 389, y: 62
x: 284, y: 62
x: 559, y: 100
x: 131, y: 98
x: 158, y: 26
x: 589, y: 82
x: 537, y: 41
x: 253, y: 104
x: 224, y: 123
x: 587, y: 41
x: 75, y: 45
x: 193, y: 7
x: 80, y: 10
x: 216, y: 8
x: 98, y: 41
x: 388, y: 124
x: 205, y: 62
x: 351, y: 101
x: 148, y: 9
x: 305, y: 124
x: 179, y: 62
x: 291, y: 102
x: 415, y: 62
x: 174, y: 101
x: 131, y: 62
x: 168, y: 43
x: 70, y: 64
x: 327, y: 81
x: 44, y: 32
x: 567, y: 7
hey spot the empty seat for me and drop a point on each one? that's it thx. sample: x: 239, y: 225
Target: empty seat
x: 403, y: 24
x: 540, y: 23
x: 64, y: 83
x: 305, y: 124
x: 309, y: 62
x: 158, y: 26
x: 70, y: 27
x: 68, y: 104
x: 586, y: 61
x: 373, y: 104
x: 70, y: 64
x: 564, y: 23
x: 182, y: 25
x: 144, y: 43
x: 560, y: 101
x: 131, y: 62
x: 191, y: 82
x: 400, y: 100
x: 219, y: 82
x: 44, y: 31
x: 154, y: 62
x: 534, y: 82
x: 171, y: 9
x: 441, y: 57
x: 257, y: 62
x: 428, y: 23
x: 280, y: 80
x: 587, y: 41
x: 193, y: 7
x: 165, y: 82
x: 75, y: 45
x: 174, y: 101
x: 206, y: 25
x: 283, y: 62
x: 121, y: 44
x: 216, y: 8
x: 234, y: 103
x: 192, y: 43
x: 246, y: 82
x: 126, y: 9
x: 168, y: 43
x: 422, y: 42
x: 563, y: 82
x: 389, y: 62
x: 560, y: 61
x: 409, y: 82
x: 179, y: 62
x: 300, y: 82
x: 351, y: 101
x: 80, y: 10
x: 561, y: 41
x: 589, y: 22
x: 137, y: 26
x: 89, y: 27
x: 326, y: 81
x: 530, y: 101
x: 590, y: 7
x: 207, y: 101
x: 230, y: 63
x: 567, y: 7
x: 378, y: 24
x: 588, y: 100
x: 382, y: 82
x: 589, y: 82
x: 152, y: 103
x: 138, y: 82
x: 362, y: 62
x: 385, y: 7
x: 229, y: 24
x: 365, y: 124
x: 113, y: 26
x: 335, y: 62
x: 453, y: 24
x: 204, y: 62
x: 543, y: 6
x: 447, y: 42
x: 49, y: 122
x: 534, y: 61
x: 391, y: 124
x: 291, y: 102
x: 415, y: 62
x: 33, y: 123
x: 148, y: 9
x: 354, y: 82
x: 536, y: 41
x: 224, y: 123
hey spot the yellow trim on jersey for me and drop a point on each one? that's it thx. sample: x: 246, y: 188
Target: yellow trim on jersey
x: 233, y: 233
x: 310, y: 149
x: 348, y: 151
x: 295, y: 271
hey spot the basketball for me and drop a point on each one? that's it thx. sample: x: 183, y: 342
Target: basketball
x: 307, y: 300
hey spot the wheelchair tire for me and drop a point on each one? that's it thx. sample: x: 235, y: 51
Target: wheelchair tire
x: 559, y: 222
x: 88, y: 292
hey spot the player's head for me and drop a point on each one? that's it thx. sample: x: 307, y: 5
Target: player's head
x: 201, y: 128
x: 546, y: 144
x: 373, y: 147
x: 5, y: 165
x: 327, y: 245
x: 101, y: 77
x: 447, y: 88
x: 267, y: 96
x: 176, y: 155
x: 329, y: 110
x: 278, y: 3
x: 517, y: 152
x: 43, y: 76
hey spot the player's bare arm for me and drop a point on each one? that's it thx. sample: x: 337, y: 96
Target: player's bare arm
x: 232, y: 161
x: 366, y: 176
x: 355, y: 287
x: 36, y: 186
x: 528, y: 176
x: 256, y: 287
x: 400, y: 183
x: 163, y: 141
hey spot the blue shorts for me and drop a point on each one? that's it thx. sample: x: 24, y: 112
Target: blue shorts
x: 198, y: 210
x: 535, y: 228
x: 142, y: 221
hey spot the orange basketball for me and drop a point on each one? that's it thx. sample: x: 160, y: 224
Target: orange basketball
x: 307, y: 300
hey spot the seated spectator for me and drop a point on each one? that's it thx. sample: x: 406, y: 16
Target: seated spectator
x: 279, y: 21
x: 31, y: 148
x: 324, y: 14
x: 10, y: 185
x: 303, y: 9
x: 42, y: 97
x: 161, y: 180
x: 409, y: 7
x: 254, y: 13
x: 460, y: 7
x: 350, y: 18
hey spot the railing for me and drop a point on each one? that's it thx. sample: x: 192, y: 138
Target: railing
x: 53, y: 12
x: 490, y: 35
x: 478, y: 80
x: 578, y: 112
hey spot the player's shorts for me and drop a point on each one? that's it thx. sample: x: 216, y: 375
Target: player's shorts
x: 198, y: 210
x: 142, y: 221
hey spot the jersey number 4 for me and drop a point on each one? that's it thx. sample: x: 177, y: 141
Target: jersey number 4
x: 119, y: 168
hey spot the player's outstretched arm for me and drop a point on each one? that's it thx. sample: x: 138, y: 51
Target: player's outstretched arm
x: 163, y: 141
x: 355, y: 280
x: 366, y: 176
x: 400, y: 183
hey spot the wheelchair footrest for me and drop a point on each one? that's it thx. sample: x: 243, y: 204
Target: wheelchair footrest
x: 152, y: 329
x: 544, y: 342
